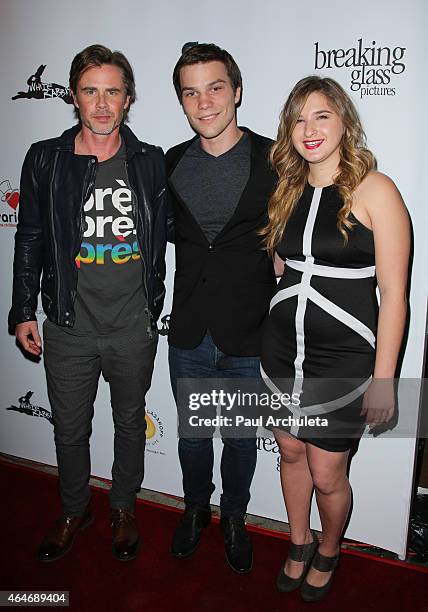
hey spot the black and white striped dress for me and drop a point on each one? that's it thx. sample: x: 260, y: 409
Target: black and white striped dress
x: 320, y: 335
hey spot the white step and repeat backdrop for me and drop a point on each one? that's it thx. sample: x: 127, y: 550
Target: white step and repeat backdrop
x: 376, y: 50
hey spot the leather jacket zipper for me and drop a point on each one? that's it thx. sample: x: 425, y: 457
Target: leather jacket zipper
x: 90, y: 186
x: 54, y: 242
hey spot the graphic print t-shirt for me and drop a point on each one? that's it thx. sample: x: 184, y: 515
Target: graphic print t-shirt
x: 110, y: 294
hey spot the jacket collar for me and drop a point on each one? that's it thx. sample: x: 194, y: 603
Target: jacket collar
x: 260, y: 181
x: 258, y: 146
x: 132, y: 144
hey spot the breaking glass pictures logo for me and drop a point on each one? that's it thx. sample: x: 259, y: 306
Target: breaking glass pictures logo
x: 373, y: 68
x: 9, y: 197
x: 154, y: 432
x: 40, y: 90
x: 26, y: 407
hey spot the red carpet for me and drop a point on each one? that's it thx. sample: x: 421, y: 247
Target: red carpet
x: 155, y: 581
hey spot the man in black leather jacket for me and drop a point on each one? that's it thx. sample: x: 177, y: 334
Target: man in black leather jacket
x: 92, y: 222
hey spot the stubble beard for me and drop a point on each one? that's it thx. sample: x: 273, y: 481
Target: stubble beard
x: 102, y: 131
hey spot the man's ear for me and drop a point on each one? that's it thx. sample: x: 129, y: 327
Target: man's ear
x: 74, y: 99
x: 237, y: 95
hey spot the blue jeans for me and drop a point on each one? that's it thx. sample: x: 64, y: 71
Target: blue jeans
x: 239, y: 455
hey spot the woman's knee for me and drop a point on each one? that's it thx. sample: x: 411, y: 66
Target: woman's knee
x: 328, y: 481
x: 291, y: 450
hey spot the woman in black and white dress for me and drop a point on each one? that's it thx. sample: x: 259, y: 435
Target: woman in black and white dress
x: 341, y: 228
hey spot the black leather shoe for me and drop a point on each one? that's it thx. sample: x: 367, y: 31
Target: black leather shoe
x: 188, y: 533
x: 322, y: 564
x: 126, y: 541
x: 237, y: 544
x: 297, y: 552
x: 61, y: 537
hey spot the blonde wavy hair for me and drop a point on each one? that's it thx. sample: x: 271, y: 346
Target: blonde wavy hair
x: 355, y: 159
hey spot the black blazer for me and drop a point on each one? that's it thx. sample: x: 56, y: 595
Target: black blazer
x: 226, y: 286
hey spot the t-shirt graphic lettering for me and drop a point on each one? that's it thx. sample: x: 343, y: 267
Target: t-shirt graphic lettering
x: 110, y: 294
x: 99, y: 225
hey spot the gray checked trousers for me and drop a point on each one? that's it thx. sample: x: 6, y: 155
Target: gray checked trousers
x: 73, y: 366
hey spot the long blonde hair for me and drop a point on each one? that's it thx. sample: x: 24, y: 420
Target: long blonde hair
x: 355, y: 160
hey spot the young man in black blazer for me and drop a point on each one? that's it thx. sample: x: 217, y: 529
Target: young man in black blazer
x: 220, y: 182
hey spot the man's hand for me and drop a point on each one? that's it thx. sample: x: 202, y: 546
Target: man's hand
x: 28, y: 337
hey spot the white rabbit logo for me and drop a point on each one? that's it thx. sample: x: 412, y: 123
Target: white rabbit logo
x: 164, y: 330
x: 26, y: 407
x: 43, y: 91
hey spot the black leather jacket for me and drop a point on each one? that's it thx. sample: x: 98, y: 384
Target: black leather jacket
x: 55, y: 184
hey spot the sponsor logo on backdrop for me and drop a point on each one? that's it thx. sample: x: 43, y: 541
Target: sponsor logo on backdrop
x: 154, y: 432
x: 39, y: 90
x: 9, y: 197
x: 164, y: 325
x: 26, y: 407
x: 269, y: 445
x: 374, y: 69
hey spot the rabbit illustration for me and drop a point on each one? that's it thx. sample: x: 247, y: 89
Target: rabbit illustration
x: 41, y: 91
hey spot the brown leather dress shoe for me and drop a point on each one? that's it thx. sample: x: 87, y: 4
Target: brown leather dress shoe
x: 126, y: 541
x: 61, y: 537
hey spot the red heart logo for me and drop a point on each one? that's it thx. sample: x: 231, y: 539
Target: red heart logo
x: 12, y: 198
